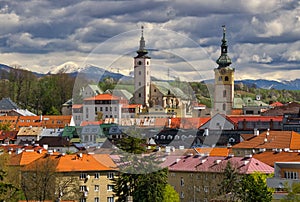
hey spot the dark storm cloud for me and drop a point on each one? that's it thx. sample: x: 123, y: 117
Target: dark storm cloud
x: 257, y: 32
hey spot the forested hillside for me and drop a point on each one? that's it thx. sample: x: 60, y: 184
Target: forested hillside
x: 46, y: 94
x: 41, y: 95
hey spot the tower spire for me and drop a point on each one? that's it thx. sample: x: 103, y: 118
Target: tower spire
x: 142, y: 51
x: 224, y: 60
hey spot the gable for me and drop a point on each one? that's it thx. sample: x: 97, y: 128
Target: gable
x: 218, y: 122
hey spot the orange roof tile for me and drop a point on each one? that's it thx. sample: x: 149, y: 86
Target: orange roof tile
x: 70, y: 163
x: 25, y: 158
x: 248, y: 118
x: 106, y: 160
x: 103, y: 97
x: 73, y: 162
x: 131, y: 106
x: 275, y: 139
x: 270, y: 157
x: 214, y: 151
x: 77, y: 106
x: 86, y: 123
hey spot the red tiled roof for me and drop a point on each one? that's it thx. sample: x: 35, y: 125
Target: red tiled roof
x: 184, y: 123
x: 276, y: 104
x: 214, y: 151
x: 104, y: 97
x: 86, y: 123
x: 218, y: 164
x: 275, y: 139
x: 77, y: 106
x: 270, y: 157
x: 12, y: 135
x: 248, y: 118
x: 131, y: 106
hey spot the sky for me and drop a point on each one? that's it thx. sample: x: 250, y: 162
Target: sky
x: 183, y: 37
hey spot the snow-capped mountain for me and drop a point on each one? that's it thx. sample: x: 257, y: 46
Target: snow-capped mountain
x: 68, y: 68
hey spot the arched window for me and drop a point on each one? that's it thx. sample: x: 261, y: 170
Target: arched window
x: 220, y: 78
x: 226, y: 78
x: 224, y: 107
x: 139, y: 62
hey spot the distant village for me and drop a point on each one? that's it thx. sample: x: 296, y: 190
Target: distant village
x: 194, y: 142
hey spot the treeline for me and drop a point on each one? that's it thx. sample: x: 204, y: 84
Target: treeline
x: 40, y: 95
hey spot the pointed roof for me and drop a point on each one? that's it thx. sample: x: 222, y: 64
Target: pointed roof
x: 142, y: 52
x: 7, y: 104
x: 224, y: 60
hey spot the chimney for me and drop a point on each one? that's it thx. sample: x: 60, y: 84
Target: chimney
x: 256, y: 132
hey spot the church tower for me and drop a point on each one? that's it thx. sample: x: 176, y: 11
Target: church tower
x: 224, y: 81
x: 142, y: 74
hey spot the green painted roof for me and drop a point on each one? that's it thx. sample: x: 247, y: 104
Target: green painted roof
x: 165, y: 88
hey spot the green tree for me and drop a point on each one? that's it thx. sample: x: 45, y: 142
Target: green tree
x: 293, y: 193
x: 254, y: 188
x: 140, y: 177
x: 170, y: 195
x: 9, y: 181
x: 230, y: 183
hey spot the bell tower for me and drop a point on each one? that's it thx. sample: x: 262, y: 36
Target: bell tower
x: 142, y: 74
x: 224, y: 81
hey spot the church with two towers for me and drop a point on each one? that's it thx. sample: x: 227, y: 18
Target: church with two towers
x: 160, y: 99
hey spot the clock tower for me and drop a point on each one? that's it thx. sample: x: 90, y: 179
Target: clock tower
x: 142, y: 74
x: 224, y: 81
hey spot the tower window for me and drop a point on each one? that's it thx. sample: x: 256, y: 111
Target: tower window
x: 147, y: 62
x: 220, y: 78
x: 140, y: 84
x: 140, y: 72
x: 139, y: 62
x: 224, y: 93
x: 140, y: 95
x: 226, y: 78
x: 224, y: 107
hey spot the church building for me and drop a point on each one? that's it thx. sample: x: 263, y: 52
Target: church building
x: 224, y: 81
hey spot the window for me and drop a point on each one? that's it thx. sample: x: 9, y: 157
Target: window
x: 87, y: 113
x: 82, y: 175
x: 182, y: 181
x: 206, y: 189
x: 291, y: 175
x: 106, y: 108
x: 226, y: 78
x: 224, y: 107
x: 101, y: 109
x: 140, y: 72
x: 83, y: 188
x: 181, y: 194
x: 140, y: 95
x: 96, y: 199
x: 110, y: 199
x: 82, y: 200
x: 115, y: 109
x: 139, y: 62
x: 140, y: 83
x: 96, y: 109
x: 97, y: 175
x: 220, y: 78
x: 224, y: 93
x: 110, y: 187
x: 96, y: 188
x: 110, y: 109
x: 110, y: 175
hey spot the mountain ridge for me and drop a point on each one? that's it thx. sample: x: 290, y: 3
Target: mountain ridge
x: 97, y: 73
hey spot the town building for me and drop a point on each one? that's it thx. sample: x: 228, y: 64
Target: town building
x: 224, y: 81
x: 197, y: 177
